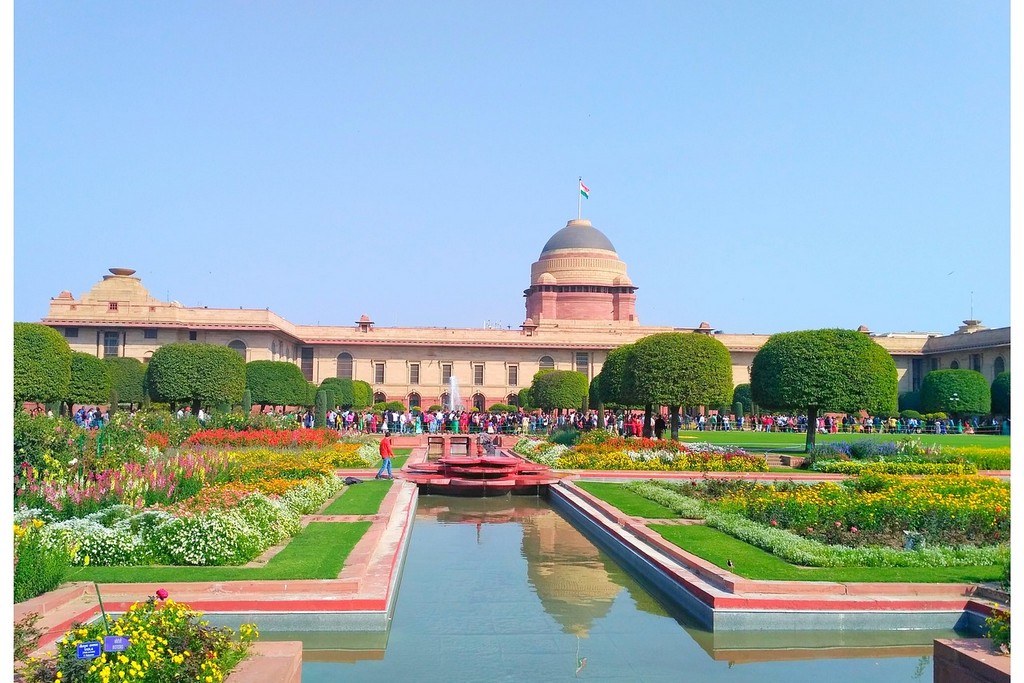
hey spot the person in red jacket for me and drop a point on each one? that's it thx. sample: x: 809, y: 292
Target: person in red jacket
x: 386, y: 453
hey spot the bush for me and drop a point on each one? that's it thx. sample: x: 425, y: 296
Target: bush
x: 565, y: 436
x: 1001, y: 394
x: 38, y: 567
x: 962, y: 392
x: 502, y: 408
x: 36, y: 438
x: 42, y: 364
x: 998, y: 626
x: 168, y: 637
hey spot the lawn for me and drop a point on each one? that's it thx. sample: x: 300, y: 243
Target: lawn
x: 317, y: 552
x: 360, y: 499
x: 629, y: 502
x: 753, y: 563
x: 794, y: 441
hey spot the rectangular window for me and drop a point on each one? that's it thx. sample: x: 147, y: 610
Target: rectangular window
x: 446, y: 373
x: 70, y: 332
x: 935, y: 363
x: 150, y: 334
x: 513, y: 375
x: 192, y: 336
x: 976, y: 362
x: 915, y: 374
x: 112, y: 306
x: 478, y: 373
x: 111, y: 344
x: 583, y: 362
x: 414, y: 373
x: 378, y: 373
x: 307, y: 363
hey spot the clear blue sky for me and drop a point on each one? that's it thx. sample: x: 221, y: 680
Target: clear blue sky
x: 409, y: 160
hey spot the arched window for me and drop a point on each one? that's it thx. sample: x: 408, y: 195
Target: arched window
x: 478, y: 401
x: 444, y: 400
x: 512, y: 400
x: 547, y: 363
x: 955, y: 365
x: 380, y: 397
x: 414, y: 400
x: 998, y: 365
x: 344, y: 370
x: 239, y: 346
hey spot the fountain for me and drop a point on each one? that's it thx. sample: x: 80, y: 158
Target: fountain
x: 454, y: 400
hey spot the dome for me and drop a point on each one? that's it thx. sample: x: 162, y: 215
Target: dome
x: 546, y: 279
x: 578, y: 234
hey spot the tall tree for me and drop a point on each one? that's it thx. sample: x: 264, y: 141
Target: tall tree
x: 679, y: 369
x: 90, y: 381
x: 1001, y: 394
x: 613, y: 377
x: 956, y: 392
x: 824, y: 370
x: 42, y: 364
x: 198, y: 374
x: 275, y: 383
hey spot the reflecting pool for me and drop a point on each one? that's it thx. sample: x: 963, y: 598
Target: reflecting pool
x: 505, y: 589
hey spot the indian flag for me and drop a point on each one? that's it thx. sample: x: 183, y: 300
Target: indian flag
x: 584, y: 190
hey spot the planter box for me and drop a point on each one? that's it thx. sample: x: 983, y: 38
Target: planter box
x: 971, y: 660
x: 270, y: 663
x: 792, y: 460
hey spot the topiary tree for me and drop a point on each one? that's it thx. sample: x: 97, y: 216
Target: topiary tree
x: 90, y: 381
x: 558, y: 389
x: 956, y: 392
x: 198, y: 374
x: 320, y: 411
x: 909, y: 400
x: 594, y: 397
x: 247, y: 403
x: 678, y: 369
x: 502, y: 408
x: 276, y: 383
x: 127, y: 380
x: 349, y: 393
x: 42, y: 364
x: 828, y: 370
x: 1001, y: 394
x: 741, y: 394
x: 526, y: 399
x: 612, y: 384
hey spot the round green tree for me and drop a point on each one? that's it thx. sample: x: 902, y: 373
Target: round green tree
x: 955, y: 392
x: 829, y: 370
x: 679, y: 369
x: 42, y: 364
x: 127, y: 379
x: 612, y: 384
x: 349, y: 393
x: 197, y: 374
x: 90, y: 381
x: 1001, y: 394
x: 559, y: 389
x: 275, y: 383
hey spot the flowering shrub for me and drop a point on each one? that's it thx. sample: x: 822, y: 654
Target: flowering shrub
x: 258, y: 464
x: 167, y: 642
x: 998, y: 626
x: 883, y: 467
x: 539, y: 451
x: 103, y: 545
x: 38, y: 567
x: 34, y: 437
x: 78, y: 493
x: 218, y: 537
x: 264, y: 438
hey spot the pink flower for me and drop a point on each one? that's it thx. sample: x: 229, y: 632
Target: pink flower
x: 839, y: 525
x: 810, y: 529
x: 774, y: 523
x: 853, y: 529
x: 161, y: 593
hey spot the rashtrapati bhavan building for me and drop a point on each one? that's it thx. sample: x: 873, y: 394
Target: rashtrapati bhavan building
x: 580, y: 304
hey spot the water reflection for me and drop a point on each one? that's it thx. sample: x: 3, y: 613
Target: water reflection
x: 506, y: 589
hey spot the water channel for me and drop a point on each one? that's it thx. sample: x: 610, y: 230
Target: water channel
x: 505, y: 589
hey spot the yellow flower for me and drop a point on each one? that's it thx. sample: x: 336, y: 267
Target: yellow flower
x: 37, y: 523
x: 85, y: 562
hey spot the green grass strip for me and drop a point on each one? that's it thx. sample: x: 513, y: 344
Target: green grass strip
x: 317, y: 552
x: 397, y: 462
x: 627, y: 501
x: 753, y: 563
x: 360, y: 499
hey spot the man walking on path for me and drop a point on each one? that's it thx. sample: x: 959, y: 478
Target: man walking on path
x: 386, y: 454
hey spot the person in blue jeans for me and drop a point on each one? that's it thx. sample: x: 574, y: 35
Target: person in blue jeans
x: 386, y: 453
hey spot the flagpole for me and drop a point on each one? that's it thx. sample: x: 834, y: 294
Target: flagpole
x: 579, y: 200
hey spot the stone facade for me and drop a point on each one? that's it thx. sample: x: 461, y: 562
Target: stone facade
x: 580, y: 305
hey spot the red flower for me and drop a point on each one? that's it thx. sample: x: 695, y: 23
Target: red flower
x: 774, y: 523
x: 161, y: 593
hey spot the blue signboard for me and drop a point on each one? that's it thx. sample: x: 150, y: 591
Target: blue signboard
x: 115, y: 643
x: 90, y: 649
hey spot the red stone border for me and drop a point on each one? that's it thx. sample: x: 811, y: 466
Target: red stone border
x: 972, y: 660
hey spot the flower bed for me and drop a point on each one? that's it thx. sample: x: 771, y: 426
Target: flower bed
x: 166, y: 642
x: 642, y: 454
x: 807, y: 551
x: 884, y: 467
x: 265, y: 438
